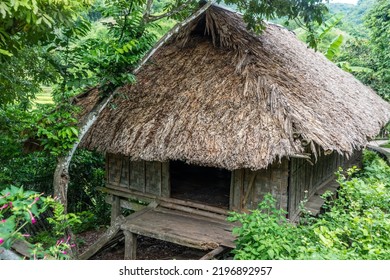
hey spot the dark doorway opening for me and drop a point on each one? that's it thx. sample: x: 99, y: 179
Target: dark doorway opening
x: 206, y: 185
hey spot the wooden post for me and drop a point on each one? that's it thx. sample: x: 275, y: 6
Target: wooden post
x: 104, y: 239
x: 130, y: 245
x: 213, y: 253
x: 115, y: 208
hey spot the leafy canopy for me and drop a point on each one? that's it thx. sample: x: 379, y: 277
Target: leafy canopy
x: 31, y: 21
x: 307, y: 12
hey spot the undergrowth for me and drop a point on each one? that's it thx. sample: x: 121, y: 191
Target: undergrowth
x: 356, y: 225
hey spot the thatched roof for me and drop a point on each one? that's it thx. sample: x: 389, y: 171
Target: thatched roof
x: 216, y: 94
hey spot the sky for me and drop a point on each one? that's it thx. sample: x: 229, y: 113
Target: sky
x: 344, y: 1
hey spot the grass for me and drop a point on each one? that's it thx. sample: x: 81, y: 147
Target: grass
x: 45, y: 96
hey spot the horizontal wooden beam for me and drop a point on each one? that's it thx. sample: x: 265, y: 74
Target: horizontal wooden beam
x: 149, y: 197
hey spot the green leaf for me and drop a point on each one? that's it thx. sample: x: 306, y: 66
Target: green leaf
x: 334, y: 47
x: 271, y: 253
x: 4, y: 52
x: 75, y: 131
x: 328, y: 25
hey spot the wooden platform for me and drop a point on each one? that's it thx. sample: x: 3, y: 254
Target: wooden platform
x: 174, y: 226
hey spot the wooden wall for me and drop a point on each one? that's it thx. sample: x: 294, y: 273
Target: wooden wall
x: 249, y: 187
x: 288, y: 181
x: 305, y: 179
x: 149, y: 177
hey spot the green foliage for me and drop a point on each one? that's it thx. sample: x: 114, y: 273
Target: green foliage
x: 368, y: 59
x: 265, y: 233
x: 356, y: 225
x: 57, y: 131
x: 20, y: 208
x: 327, y: 26
x: 26, y: 27
x: 60, y: 221
x: 378, y: 23
x: 35, y: 170
x: 26, y: 22
x: 307, y: 12
x: 22, y: 75
x: 353, y: 22
x: 17, y: 209
x: 334, y: 47
x: 84, y: 193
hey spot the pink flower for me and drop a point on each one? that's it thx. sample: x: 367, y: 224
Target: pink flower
x: 64, y: 252
x: 3, y: 221
x: 60, y: 241
x: 7, y: 194
x: 33, y: 220
x: 1, y: 241
x: 4, y: 206
x: 34, y: 201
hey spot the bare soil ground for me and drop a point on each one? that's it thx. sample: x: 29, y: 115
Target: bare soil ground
x: 147, y: 249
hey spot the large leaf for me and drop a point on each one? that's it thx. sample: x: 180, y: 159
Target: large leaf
x: 334, y: 47
x: 327, y: 26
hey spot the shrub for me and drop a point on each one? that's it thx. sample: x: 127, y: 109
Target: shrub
x: 356, y: 225
x: 20, y: 208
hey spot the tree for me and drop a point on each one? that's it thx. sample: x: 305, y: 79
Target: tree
x: 31, y: 21
x: 306, y: 12
x: 378, y: 23
x: 25, y: 28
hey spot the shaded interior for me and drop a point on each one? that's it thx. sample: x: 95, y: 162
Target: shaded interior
x: 206, y: 185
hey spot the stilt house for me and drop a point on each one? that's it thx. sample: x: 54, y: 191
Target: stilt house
x: 220, y: 116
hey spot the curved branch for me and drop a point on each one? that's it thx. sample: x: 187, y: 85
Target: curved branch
x: 148, y: 10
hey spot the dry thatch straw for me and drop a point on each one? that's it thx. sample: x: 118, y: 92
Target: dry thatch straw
x: 218, y: 95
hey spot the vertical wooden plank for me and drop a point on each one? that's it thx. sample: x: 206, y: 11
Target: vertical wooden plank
x: 107, y: 167
x: 115, y: 208
x: 237, y: 188
x: 124, y: 181
x: 137, y: 176
x: 114, y: 169
x: 153, y: 177
x: 128, y: 172
x: 258, y: 190
x: 130, y: 245
x: 231, y: 191
x: 293, y: 186
x: 245, y: 183
x: 165, y: 180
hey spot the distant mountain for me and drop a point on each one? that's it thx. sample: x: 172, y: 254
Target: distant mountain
x: 353, y: 21
x: 340, y: 8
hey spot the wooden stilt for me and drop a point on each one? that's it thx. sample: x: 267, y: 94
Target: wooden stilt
x: 115, y: 208
x: 130, y: 245
x: 106, y: 237
x: 213, y: 253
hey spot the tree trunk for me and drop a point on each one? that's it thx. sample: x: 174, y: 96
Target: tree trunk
x: 61, y: 181
x: 61, y: 174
